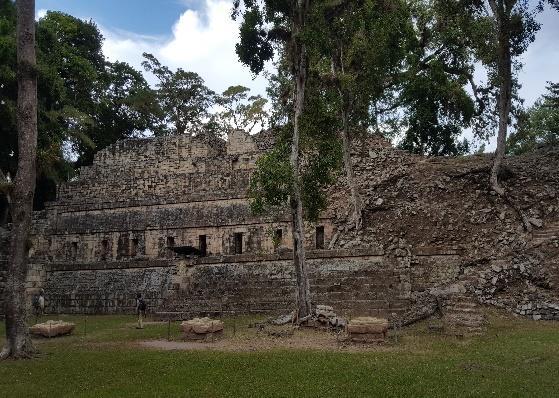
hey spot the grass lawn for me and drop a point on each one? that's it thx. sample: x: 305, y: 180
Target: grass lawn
x: 516, y: 358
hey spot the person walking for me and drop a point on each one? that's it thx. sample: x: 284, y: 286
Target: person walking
x: 140, y: 310
x: 41, y: 303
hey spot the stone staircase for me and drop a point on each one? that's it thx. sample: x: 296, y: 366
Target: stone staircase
x: 550, y: 231
x: 462, y: 316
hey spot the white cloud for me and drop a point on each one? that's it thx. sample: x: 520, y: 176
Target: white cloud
x: 202, y: 41
x: 41, y: 13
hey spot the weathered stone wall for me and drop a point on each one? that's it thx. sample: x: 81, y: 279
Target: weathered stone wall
x: 108, y: 237
x: 107, y: 288
x: 354, y: 282
x: 142, y: 195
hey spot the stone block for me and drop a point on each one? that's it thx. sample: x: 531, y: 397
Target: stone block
x: 201, y: 329
x: 52, y: 328
x: 367, y: 329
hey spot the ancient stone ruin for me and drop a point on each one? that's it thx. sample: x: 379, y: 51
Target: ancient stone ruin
x: 169, y: 217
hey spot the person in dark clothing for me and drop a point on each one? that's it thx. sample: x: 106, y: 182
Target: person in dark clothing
x: 140, y: 310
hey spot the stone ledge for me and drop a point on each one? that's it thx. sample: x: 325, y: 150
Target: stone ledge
x: 111, y: 265
x: 288, y: 255
x: 69, y: 207
x: 240, y: 258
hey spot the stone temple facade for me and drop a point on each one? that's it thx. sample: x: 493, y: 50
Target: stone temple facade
x: 170, y: 218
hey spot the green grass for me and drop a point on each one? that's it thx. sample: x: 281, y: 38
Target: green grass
x: 516, y: 358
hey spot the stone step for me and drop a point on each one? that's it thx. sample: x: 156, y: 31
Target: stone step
x: 545, y: 233
x: 463, y: 316
x: 471, y: 310
x: 466, y: 320
x: 462, y: 304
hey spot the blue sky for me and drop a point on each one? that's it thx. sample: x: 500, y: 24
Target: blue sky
x: 196, y: 35
x: 199, y: 35
x: 149, y: 17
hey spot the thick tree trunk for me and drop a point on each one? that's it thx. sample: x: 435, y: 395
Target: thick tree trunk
x: 355, y: 196
x: 501, y: 11
x: 337, y: 68
x: 348, y: 166
x: 504, y: 102
x: 504, y: 71
x: 18, y: 343
x: 296, y: 204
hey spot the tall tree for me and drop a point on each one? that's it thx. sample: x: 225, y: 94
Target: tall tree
x: 85, y: 103
x: 552, y: 99
x: 184, y: 100
x: 18, y: 342
x: 241, y: 111
x: 538, y: 126
x: 501, y: 31
x: 266, y: 23
x: 433, y: 99
x: 358, y: 47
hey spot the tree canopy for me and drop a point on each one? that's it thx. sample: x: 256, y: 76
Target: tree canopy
x: 183, y: 99
x: 84, y: 102
x: 539, y: 125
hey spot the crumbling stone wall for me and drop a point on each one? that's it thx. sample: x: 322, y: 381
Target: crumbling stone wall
x: 354, y: 282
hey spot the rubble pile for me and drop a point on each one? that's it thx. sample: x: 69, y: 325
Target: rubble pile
x: 415, y: 202
x: 447, y: 201
x: 322, y: 316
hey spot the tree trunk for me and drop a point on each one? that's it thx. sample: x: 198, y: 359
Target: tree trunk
x: 337, y: 67
x: 18, y: 343
x: 501, y: 11
x: 300, y: 73
x: 355, y: 196
x: 504, y: 70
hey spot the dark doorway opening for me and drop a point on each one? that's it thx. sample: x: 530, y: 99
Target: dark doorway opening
x: 104, y: 249
x: 319, y: 238
x: 203, y: 245
x: 134, y: 247
x: 238, y: 242
x: 170, y: 246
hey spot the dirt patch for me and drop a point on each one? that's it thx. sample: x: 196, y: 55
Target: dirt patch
x: 134, y: 324
x: 302, y: 339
